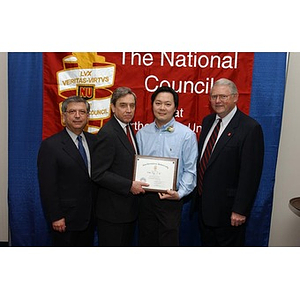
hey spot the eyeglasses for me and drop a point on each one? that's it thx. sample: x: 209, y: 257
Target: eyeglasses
x: 221, y: 97
x: 74, y: 111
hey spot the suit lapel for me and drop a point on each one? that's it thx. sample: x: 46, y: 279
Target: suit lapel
x: 121, y: 135
x: 70, y: 148
x: 227, y: 134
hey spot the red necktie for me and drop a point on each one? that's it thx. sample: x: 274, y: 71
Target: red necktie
x: 206, y: 155
x: 129, y: 137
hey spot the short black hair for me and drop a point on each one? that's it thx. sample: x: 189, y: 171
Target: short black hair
x: 166, y: 89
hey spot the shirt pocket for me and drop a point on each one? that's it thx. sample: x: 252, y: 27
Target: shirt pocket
x: 172, y: 149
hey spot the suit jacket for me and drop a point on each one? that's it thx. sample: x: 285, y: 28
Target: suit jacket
x: 113, y: 172
x: 234, y: 170
x: 66, y: 188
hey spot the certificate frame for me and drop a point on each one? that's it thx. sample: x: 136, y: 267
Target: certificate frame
x: 159, y: 172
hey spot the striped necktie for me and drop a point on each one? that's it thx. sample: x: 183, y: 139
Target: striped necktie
x: 206, y: 155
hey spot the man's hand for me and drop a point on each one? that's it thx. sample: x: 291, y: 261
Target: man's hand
x: 137, y: 187
x: 237, y: 219
x: 169, y: 195
x: 59, y: 225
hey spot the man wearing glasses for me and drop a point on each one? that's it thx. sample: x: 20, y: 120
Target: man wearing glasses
x: 231, y: 152
x: 64, y: 172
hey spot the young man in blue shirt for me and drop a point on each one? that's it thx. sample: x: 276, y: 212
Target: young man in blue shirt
x: 160, y: 213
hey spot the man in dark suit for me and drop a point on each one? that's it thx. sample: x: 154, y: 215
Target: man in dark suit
x: 117, y: 205
x: 66, y: 187
x: 228, y: 183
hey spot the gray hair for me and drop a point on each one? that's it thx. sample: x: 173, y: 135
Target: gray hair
x: 121, y: 92
x: 229, y: 83
x: 72, y: 99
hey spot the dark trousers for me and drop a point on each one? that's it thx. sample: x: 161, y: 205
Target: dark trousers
x: 159, y: 221
x: 115, y: 234
x: 83, y: 238
x: 227, y: 236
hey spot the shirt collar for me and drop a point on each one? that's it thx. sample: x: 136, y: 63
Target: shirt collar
x: 74, y: 135
x: 164, y: 127
x: 227, y: 118
x: 122, y: 124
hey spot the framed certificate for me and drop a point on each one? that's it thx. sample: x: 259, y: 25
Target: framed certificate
x: 159, y: 172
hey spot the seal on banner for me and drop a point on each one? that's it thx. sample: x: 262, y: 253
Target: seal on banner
x: 88, y: 75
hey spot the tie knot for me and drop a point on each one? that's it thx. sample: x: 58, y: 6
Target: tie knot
x: 218, y: 125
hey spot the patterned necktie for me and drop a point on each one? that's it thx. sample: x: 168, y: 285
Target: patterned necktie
x: 81, y: 150
x: 206, y: 155
x: 129, y: 137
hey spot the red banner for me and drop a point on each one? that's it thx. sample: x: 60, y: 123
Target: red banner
x: 95, y: 75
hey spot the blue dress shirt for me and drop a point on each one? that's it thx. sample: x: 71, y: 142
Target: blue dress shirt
x: 173, y: 140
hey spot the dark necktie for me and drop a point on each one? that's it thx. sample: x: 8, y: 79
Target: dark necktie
x: 129, y: 137
x: 81, y: 150
x: 206, y: 155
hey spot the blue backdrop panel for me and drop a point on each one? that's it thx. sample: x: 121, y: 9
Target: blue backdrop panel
x: 27, y: 222
x: 268, y: 86
x: 25, y: 95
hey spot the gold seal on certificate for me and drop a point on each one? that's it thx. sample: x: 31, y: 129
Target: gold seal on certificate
x: 159, y: 172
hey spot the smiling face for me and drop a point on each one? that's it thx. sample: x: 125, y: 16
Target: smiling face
x: 76, y: 117
x: 163, y: 108
x: 222, y: 100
